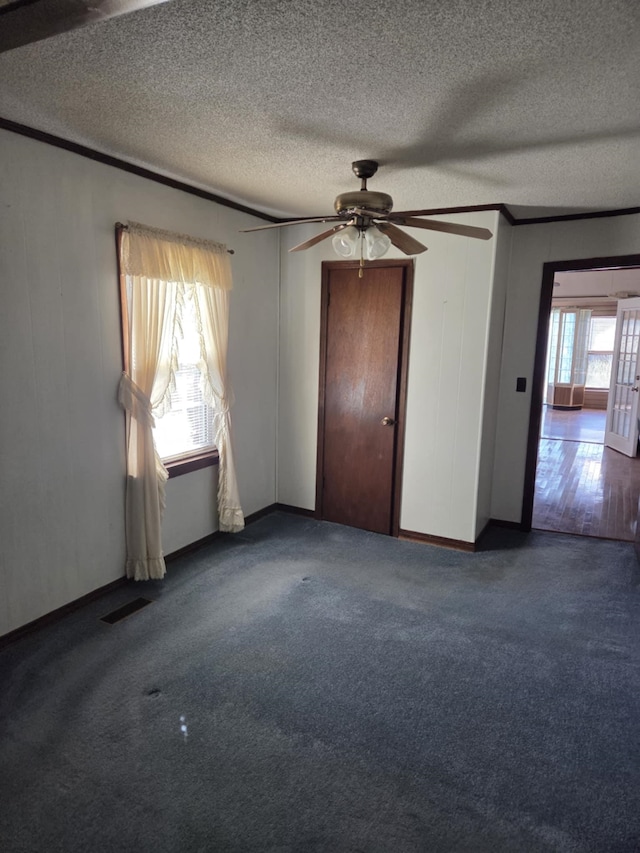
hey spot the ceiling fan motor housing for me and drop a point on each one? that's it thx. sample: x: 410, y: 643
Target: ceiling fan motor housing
x: 380, y: 202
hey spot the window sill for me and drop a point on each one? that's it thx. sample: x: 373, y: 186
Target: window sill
x: 177, y: 467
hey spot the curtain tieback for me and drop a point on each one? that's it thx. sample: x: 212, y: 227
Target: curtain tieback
x: 133, y: 399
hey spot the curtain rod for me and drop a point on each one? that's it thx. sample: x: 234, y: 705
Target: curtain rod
x: 122, y: 227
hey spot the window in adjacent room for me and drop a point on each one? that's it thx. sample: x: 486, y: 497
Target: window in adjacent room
x: 602, y: 333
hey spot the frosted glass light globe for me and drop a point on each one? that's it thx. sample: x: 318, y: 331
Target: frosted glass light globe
x: 345, y: 242
x: 376, y: 242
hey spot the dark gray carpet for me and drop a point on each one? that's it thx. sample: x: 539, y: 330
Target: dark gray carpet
x: 308, y: 687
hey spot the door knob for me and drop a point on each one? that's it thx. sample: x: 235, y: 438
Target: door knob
x: 635, y: 389
x: 387, y: 421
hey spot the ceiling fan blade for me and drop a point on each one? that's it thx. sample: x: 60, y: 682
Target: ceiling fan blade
x: 291, y: 222
x: 401, y: 240
x: 439, y: 225
x: 319, y: 237
x: 23, y: 23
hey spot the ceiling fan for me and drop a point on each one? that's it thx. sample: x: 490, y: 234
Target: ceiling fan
x: 365, y: 218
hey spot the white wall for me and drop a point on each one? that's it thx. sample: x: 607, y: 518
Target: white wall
x: 493, y: 357
x: 533, y: 246
x: 61, y: 430
x: 192, y: 510
x: 447, y: 366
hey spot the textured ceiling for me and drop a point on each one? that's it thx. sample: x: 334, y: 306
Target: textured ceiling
x: 533, y: 104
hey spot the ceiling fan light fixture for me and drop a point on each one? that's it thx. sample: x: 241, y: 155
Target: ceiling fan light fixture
x: 358, y: 211
x: 377, y: 243
x: 345, y: 242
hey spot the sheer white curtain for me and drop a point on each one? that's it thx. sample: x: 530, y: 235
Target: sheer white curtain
x: 213, y: 317
x: 156, y: 269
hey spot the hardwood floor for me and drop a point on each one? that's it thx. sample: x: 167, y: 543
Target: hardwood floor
x: 582, y: 486
x: 580, y: 425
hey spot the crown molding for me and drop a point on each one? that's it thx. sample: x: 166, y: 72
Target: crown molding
x: 567, y: 217
x: 142, y: 172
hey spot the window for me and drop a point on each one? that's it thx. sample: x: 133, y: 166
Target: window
x: 174, y: 298
x: 602, y: 335
x: 580, y: 347
x: 187, y: 428
x: 567, y: 348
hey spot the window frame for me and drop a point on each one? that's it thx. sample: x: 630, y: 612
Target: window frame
x: 192, y: 462
x: 185, y: 463
x: 595, y: 315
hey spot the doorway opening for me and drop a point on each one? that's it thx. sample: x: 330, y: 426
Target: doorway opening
x: 575, y: 481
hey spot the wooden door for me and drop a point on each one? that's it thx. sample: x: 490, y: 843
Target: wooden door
x: 622, y: 407
x: 364, y: 346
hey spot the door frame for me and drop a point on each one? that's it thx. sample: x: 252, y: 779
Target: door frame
x: 408, y: 266
x: 549, y: 271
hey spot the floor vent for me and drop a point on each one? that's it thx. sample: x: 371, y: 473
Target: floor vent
x: 125, y: 610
